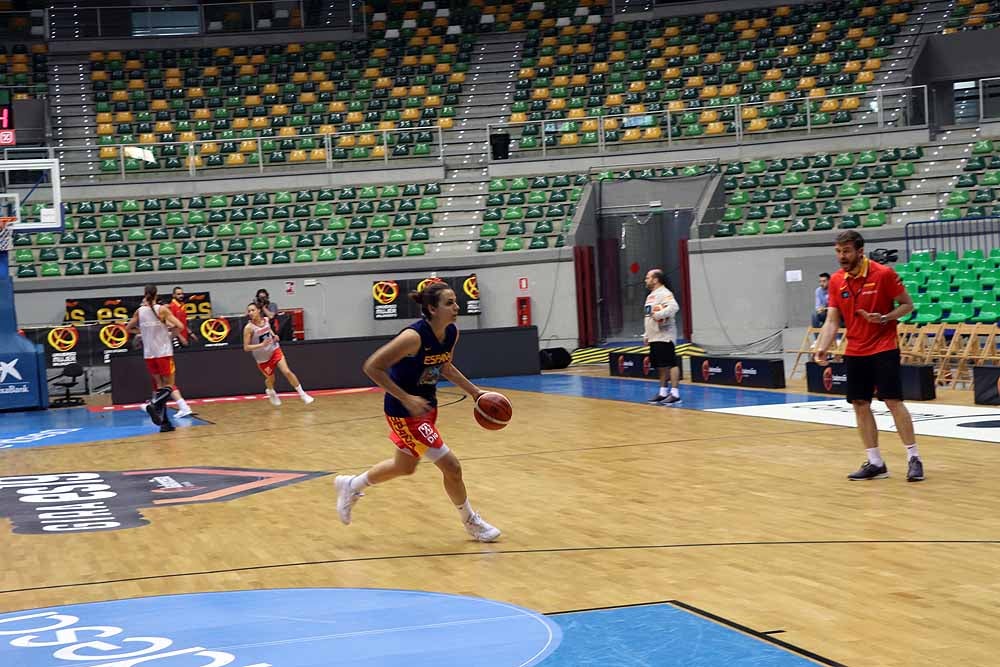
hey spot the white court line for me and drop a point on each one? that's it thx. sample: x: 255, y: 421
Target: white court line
x: 929, y: 419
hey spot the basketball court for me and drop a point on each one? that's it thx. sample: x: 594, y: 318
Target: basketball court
x: 719, y: 531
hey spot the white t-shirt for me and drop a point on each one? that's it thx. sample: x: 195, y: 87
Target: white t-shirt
x: 263, y: 334
x: 156, y: 338
x: 659, y: 325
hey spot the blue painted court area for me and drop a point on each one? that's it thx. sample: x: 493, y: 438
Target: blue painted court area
x: 68, y: 426
x: 693, y: 396
x: 662, y: 635
x: 313, y: 627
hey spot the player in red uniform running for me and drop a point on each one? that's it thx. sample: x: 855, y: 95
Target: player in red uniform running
x: 408, y: 367
x: 260, y: 340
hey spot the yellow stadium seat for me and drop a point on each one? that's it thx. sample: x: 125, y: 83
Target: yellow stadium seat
x: 817, y: 92
x: 806, y: 83
x: 327, y: 56
x: 432, y: 101
x: 611, y: 124
x: 194, y: 161
x: 696, y: 81
x: 746, y: 66
x: 123, y: 117
x: 248, y: 146
x: 556, y: 104
x: 366, y: 140
x: 163, y: 126
x: 346, y: 141
x: 821, y: 58
x: 518, y: 117
x: 708, y: 92
x: 676, y: 106
x: 105, y: 117
x: 195, y: 91
x: 713, y: 58
x: 108, y: 153
x: 757, y: 125
x: 864, y: 77
x: 202, y: 114
x: 589, y: 125
x: 748, y: 113
x: 99, y: 75
x: 774, y: 74
x: 287, y: 132
x: 355, y: 117
x: 829, y: 105
x: 297, y: 155
x: 600, y: 68
x: 569, y: 139
x: 235, y: 160
x: 777, y: 96
x: 740, y: 24
x: 119, y: 96
x: 849, y: 103
x: 208, y: 148
x: 317, y: 155
x: 790, y: 50
x: 635, y: 109
x: 446, y: 123
x: 873, y: 64
x: 259, y: 122
x: 187, y: 137
x: 96, y: 56
x: 632, y: 134
x: 327, y: 129
x: 637, y: 86
x: 652, y: 133
x: 540, y: 94
x: 748, y: 34
x: 211, y: 70
x: 708, y: 116
x: 159, y: 105
x: 279, y: 110
x: 411, y: 114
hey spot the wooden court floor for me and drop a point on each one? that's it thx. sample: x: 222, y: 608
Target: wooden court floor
x: 601, y: 503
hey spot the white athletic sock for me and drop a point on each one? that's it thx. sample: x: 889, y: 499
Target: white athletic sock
x: 911, y: 452
x: 674, y: 391
x: 663, y: 391
x: 875, y: 456
x: 269, y: 391
x: 359, y: 482
x: 302, y: 392
x: 465, y: 509
x: 182, y: 404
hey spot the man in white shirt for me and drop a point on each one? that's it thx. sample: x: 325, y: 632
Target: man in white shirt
x: 659, y: 333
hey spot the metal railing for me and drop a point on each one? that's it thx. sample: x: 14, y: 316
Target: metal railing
x: 952, y: 235
x: 892, y: 108
x: 185, y: 150
x: 178, y: 19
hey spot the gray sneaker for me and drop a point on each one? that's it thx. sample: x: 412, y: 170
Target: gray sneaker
x: 914, y: 470
x: 868, y: 471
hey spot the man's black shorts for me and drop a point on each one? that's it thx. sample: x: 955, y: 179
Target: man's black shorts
x: 874, y: 375
x: 662, y: 355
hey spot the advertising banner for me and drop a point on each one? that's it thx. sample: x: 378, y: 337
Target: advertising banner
x: 739, y: 371
x: 391, y: 301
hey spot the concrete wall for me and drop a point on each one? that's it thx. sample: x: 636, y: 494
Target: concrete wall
x: 341, y: 305
x: 738, y: 288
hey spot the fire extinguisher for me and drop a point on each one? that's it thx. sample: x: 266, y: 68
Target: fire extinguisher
x: 524, y: 311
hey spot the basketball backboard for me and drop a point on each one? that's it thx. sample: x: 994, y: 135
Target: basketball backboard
x: 30, y: 191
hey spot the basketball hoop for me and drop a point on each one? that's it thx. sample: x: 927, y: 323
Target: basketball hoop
x: 6, y: 232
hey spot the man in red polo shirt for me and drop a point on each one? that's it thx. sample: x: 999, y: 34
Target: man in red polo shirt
x: 177, y: 310
x: 864, y: 294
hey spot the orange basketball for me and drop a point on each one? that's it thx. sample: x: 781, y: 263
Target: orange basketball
x: 493, y: 411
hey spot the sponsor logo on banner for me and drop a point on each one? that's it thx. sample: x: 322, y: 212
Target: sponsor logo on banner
x: 385, y: 293
x: 706, y: 370
x: 63, y: 341
x: 828, y: 378
x: 80, y: 502
x: 197, y: 305
x: 738, y: 372
x: 621, y: 364
x: 646, y: 368
x: 114, y: 336
x: 215, y: 331
x: 11, y: 381
x: 422, y: 285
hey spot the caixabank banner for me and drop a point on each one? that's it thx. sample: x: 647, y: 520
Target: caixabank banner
x: 120, y: 308
x: 391, y: 300
x: 739, y: 371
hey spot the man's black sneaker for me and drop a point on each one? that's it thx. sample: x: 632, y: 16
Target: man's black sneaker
x: 869, y: 471
x: 914, y: 470
x: 656, y: 399
x: 670, y: 399
x: 154, y: 414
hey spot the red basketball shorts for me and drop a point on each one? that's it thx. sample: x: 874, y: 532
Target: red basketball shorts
x: 163, y: 366
x: 267, y: 368
x: 417, y: 435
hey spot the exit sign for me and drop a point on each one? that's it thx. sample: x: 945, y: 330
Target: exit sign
x: 7, y: 135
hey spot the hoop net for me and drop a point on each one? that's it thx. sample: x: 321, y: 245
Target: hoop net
x: 6, y: 232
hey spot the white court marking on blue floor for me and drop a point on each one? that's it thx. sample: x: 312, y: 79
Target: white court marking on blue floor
x: 307, y: 627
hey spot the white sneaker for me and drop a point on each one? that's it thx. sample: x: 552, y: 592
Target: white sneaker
x: 184, y: 413
x: 346, y: 497
x: 273, y: 397
x: 480, y: 530
x: 307, y: 399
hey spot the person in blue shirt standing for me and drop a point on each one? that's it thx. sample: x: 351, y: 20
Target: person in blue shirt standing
x: 822, y: 296
x: 408, y: 367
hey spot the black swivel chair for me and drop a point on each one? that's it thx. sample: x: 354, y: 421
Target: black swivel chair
x: 72, y: 374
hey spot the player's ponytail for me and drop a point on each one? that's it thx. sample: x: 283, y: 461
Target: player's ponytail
x: 149, y: 295
x: 428, y: 297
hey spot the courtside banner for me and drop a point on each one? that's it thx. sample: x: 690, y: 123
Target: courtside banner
x: 634, y: 365
x: 917, y: 380
x: 739, y: 371
x: 391, y: 301
x: 120, y: 308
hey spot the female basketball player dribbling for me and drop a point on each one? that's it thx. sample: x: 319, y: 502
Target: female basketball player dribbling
x: 408, y: 367
x: 260, y: 340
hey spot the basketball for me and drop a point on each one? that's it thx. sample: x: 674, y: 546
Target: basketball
x: 493, y: 411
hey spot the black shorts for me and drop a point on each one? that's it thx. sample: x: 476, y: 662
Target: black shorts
x: 662, y: 355
x: 874, y: 375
